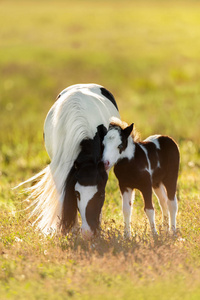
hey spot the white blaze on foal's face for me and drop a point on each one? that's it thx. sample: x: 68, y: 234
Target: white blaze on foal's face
x: 84, y: 195
x: 112, y: 142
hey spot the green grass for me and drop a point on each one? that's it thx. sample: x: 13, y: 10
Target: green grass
x: 147, y: 54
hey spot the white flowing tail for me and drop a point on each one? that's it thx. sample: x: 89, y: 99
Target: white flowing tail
x: 46, y: 201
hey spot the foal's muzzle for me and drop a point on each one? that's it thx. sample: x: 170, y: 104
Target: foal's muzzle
x: 106, y: 164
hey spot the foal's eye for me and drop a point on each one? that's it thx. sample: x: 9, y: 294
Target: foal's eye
x: 120, y: 147
x: 78, y: 196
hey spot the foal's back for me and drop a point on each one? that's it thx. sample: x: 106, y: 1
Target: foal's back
x: 163, y: 158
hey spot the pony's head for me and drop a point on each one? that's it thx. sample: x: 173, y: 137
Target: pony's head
x: 85, y: 186
x: 115, y: 142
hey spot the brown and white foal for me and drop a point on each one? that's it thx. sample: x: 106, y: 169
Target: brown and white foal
x: 143, y: 165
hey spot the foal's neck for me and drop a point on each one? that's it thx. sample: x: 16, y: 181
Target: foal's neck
x: 130, y: 149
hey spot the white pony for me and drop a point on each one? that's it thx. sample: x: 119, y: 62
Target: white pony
x: 75, y: 179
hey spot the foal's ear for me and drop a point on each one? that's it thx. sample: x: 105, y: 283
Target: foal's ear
x: 127, y: 131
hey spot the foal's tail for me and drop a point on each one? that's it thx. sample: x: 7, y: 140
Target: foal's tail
x: 46, y: 204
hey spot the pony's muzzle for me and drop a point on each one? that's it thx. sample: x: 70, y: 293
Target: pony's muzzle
x: 86, y: 234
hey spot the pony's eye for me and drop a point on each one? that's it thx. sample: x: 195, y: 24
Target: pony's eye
x: 78, y: 196
x: 75, y: 165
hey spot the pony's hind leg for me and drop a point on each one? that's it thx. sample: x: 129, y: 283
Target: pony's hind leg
x: 161, y: 195
x: 127, y: 197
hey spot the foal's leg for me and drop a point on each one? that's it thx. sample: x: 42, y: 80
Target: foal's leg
x: 128, y: 197
x: 151, y: 217
x: 161, y: 194
x: 149, y: 210
x: 170, y: 184
x: 173, y: 209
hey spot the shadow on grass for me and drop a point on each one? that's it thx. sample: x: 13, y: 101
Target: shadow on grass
x: 111, y: 240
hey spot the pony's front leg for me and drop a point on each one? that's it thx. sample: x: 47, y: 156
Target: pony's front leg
x: 127, y: 197
x: 76, y: 226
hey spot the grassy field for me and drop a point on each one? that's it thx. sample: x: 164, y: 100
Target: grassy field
x: 147, y: 54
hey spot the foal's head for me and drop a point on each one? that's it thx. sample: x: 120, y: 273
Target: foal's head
x: 115, y: 142
x: 85, y: 187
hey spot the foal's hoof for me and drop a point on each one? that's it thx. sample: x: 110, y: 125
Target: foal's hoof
x: 155, y: 235
x: 174, y: 234
x: 127, y: 235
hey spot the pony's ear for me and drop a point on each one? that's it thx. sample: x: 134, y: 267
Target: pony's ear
x: 127, y: 131
x: 101, y: 129
x: 97, y: 142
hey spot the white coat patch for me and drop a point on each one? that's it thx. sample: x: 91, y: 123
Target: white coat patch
x: 86, y: 194
x: 148, y: 161
x: 154, y: 139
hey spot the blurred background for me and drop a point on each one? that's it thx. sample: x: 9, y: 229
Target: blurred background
x: 147, y: 53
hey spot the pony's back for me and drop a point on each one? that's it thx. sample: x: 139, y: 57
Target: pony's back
x: 87, y: 104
